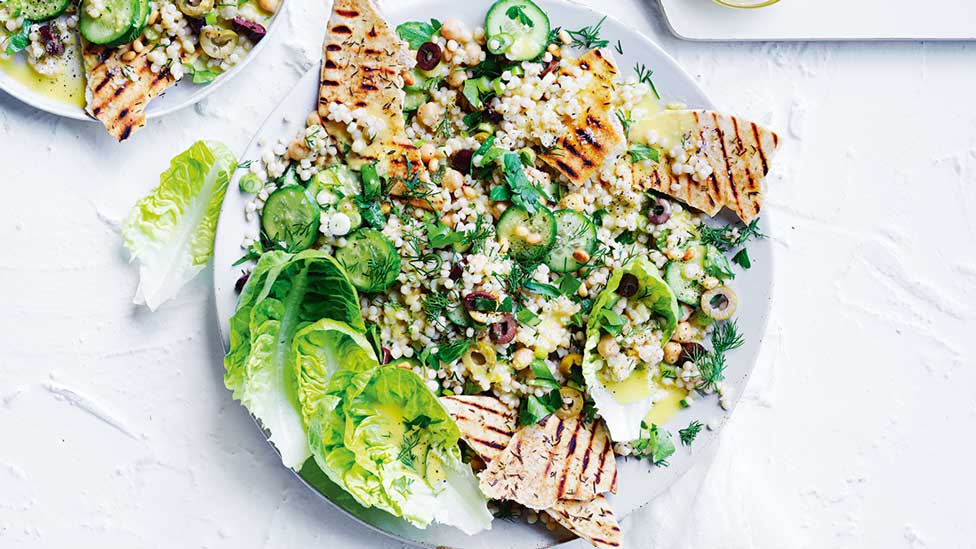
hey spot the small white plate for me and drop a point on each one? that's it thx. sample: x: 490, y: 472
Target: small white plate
x: 639, y: 482
x: 184, y: 94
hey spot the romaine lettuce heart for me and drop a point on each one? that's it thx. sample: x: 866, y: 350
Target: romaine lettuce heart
x: 379, y: 433
x: 284, y: 294
x: 624, y: 404
x: 171, y: 231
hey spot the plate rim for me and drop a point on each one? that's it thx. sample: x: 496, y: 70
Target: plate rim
x: 38, y: 101
x: 760, y: 334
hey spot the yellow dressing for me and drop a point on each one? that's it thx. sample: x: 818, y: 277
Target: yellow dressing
x: 636, y: 387
x: 67, y: 87
x: 650, y: 118
x: 666, y: 408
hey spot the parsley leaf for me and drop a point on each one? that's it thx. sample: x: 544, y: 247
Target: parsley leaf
x: 639, y: 152
x: 656, y: 446
x: 524, y: 193
x: 543, y: 377
x: 416, y: 33
x: 516, y: 13
x: 688, y: 434
x: 741, y: 258
x: 20, y: 41
x: 534, y: 408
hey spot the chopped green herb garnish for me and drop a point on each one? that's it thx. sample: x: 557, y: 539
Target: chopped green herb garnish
x: 654, y: 444
x: 588, y: 38
x: 639, y: 152
x: 741, y: 258
x: 416, y: 33
x: 644, y: 76
x: 516, y: 13
x: 688, y: 434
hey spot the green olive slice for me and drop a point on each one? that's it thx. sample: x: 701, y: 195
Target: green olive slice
x: 217, y: 42
x: 195, y: 8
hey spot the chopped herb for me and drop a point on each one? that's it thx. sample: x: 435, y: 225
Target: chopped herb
x: 506, y: 306
x: 619, y: 47
x: 542, y: 375
x: 610, y: 321
x: 527, y: 317
x: 525, y: 193
x: 588, y: 38
x: 741, y: 258
x: 725, y: 239
x: 534, y: 409
x: 656, y: 446
x: 422, y: 421
x: 405, y: 456
x: 568, y: 284
x: 20, y: 41
x: 688, y: 434
x: 711, y: 364
x: 625, y: 120
x: 644, y: 76
x: 416, y: 33
x: 435, y: 305
x: 516, y: 13
x: 450, y: 352
x: 547, y: 290
x: 639, y: 152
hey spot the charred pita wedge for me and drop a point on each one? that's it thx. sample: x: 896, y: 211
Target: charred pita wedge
x: 593, y: 135
x: 117, y: 91
x: 553, y: 460
x: 728, y: 155
x: 487, y: 426
x: 362, y: 79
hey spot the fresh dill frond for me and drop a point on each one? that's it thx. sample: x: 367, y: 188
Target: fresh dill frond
x: 688, y: 434
x: 644, y: 76
x: 405, y: 456
x: 588, y: 38
x: 725, y: 238
x: 619, y: 47
x: 726, y: 337
x: 435, y: 305
x: 625, y: 120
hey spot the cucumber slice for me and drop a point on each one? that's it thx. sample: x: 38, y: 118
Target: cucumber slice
x: 529, y: 235
x: 413, y: 99
x: 290, y: 219
x: 517, y: 28
x: 140, y: 24
x: 687, y: 291
x: 349, y: 207
x: 574, y: 231
x: 114, y: 23
x: 370, y: 260
x: 42, y: 10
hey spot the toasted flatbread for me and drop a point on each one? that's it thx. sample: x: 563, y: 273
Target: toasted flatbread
x: 362, y: 68
x: 553, y: 460
x: 117, y: 91
x: 737, y: 151
x: 592, y: 136
x: 487, y: 426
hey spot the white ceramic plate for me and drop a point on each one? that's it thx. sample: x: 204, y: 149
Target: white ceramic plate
x: 639, y: 482
x: 184, y: 94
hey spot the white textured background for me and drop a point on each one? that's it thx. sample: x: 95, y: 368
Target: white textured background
x: 856, y: 430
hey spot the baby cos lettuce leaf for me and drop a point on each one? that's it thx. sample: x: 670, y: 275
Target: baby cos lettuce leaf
x: 378, y: 432
x: 624, y: 404
x: 171, y: 231
x: 284, y: 294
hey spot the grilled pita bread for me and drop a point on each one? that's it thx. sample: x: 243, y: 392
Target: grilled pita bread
x: 553, y: 460
x: 362, y: 68
x: 117, y: 91
x: 590, y: 138
x: 737, y: 151
x: 487, y: 426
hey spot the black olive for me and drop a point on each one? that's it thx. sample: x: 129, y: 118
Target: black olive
x: 254, y: 31
x: 660, y: 212
x: 428, y: 56
x: 52, y: 43
x: 239, y: 285
x: 628, y: 285
x: 504, y: 330
x: 386, y: 355
x: 461, y: 160
x: 457, y: 269
x: 491, y: 115
x: 479, y: 301
x: 690, y: 351
x: 550, y: 67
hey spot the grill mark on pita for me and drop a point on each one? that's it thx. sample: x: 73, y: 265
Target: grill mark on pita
x: 368, y: 87
x: 330, y: 64
x: 330, y: 83
x: 123, y: 113
x: 570, y: 449
x: 371, y: 51
x: 725, y: 155
x: 341, y: 29
x: 567, y: 169
x: 333, y: 47
x: 348, y: 13
x: 102, y: 84
x: 488, y: 443
x: 605, y: 542
x: 125, y: 133
x: 585, y: 136
x: 759, y: 149
x: 372, y: 32
x: 485, y: 408
x: 589, y: 448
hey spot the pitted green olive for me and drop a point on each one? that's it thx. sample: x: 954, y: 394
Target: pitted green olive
x: 719, y: 303
x: 479, y: 359
x: 572, y: 403
x: 218, y: 43
x: 195, y: 8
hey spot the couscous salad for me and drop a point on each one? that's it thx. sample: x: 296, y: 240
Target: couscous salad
x: 483, y: 262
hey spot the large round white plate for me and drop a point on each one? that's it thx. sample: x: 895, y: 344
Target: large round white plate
x: 184, y: 94
x: 639, y: 482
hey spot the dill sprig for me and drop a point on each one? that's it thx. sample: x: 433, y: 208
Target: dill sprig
x: 405, y: 456
x: 435, y: 305
x: 711, y: 364
x: 588, y: 38
x: 688, y: 434
x: 625, y: 120
x: 725, y: 239
x: 644, y: 76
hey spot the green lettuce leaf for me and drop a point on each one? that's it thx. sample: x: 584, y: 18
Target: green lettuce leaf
x: 171, y: 231
x: 285, y: 294
x: 624, y: 404
x: 378, y: 432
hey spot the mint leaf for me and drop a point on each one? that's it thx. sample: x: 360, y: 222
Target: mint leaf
x: 417, y: 33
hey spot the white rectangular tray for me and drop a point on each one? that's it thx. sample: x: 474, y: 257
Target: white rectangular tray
x: 825, y: 20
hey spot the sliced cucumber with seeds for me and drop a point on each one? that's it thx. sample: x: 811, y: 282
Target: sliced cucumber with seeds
x: 519, y: 29
x: 529, y: 235
x: 290, y: 219
x: 687, y: 291
x: 370, y: 260
x: 142, y: 17
x: 42, y: 10
x: 575, y: 242
x: 113, y: 24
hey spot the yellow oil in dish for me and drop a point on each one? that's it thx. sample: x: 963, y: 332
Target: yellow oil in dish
x: 650, y: 118
x: 636, y: 387
x: 68, y: 87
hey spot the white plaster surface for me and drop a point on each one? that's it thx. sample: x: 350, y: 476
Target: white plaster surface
x: 855, y: 431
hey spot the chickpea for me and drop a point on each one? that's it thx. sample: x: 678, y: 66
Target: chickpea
x: 583, y: 291
x: 455, y: 29
x: 608, y: 347
x: 427, y: 152
x: 138, y: 46
x: 269, y: 6
x: 430, y: 114
x: 469, y: 192
x: 456, y: 78
x: 573, y: 201
x: 434, y: 165
x: 684, y: 333
x: 153, y: 16
x: 522, y: 358
x: 448, y: 220
x: 298, y: 150
x: 452, y: 180
x: 128, y: 56
x: 472, y: 52
x: 672, y: 352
